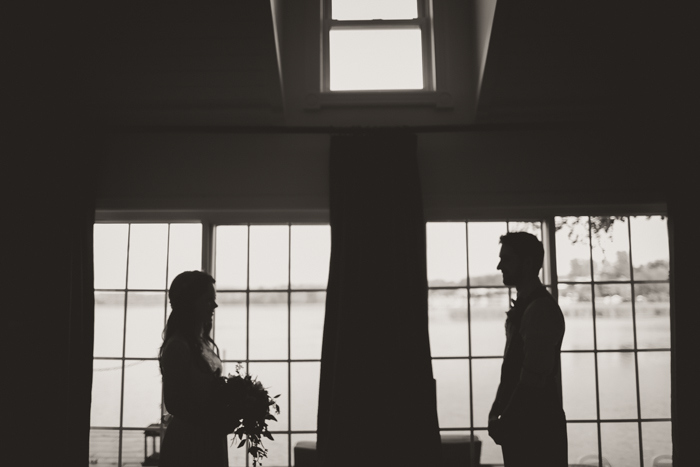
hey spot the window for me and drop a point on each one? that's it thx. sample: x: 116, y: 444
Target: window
x: 134, y: 263
x: 271, y: 282
x: 372, y: 45
x: 611, y: 278
x: 271, y: 289
x: 610, y: 275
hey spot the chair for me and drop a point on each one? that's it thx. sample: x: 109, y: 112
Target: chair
x: 663, y: 460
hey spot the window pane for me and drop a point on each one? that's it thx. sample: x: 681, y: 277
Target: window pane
x: 310, y: 256
x: 491, y: 453
x: 110, y: 242
x: 582, y: 442
x: 236, y: 456
x: 374, y: 9
x: 578, y: 385
x: 649, y: 248
x: 617, y: 385
x: 484, y: 248
x: 109, y: 324
x: 148, y: 246
x: 132, y: 448
x: 610, y: 250
x: 620, y: 442
x: 269, y: 257
x: 448, y: 325
x: 104, y: 447
x: 145, y: 321
x: 308, y: 313
x: 652, y: 307
x: 613, y: 309
x: 656, y: 439
x: 488, y: 310
x: 446, y: 253
x: 232, y: 257
x: 486, y: 374
x: 655, y: 384
x: 106, y: 392
x: 277, y: 451
x: 142, y: 393
x: 230, y: 325
x: 305, y: 381
x: 573, y: 250
x: 374, y: 59
x: 268, y: 325
x: 575, y: 303
x: 452, y: 378
x: 274, y: 377
x: 185, y: 249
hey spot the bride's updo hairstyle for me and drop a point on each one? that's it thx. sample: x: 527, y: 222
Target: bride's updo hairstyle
x: 184, y: 320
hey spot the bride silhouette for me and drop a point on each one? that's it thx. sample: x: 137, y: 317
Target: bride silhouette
x: 190, y: 365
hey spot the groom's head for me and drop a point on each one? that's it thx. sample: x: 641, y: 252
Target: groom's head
x: 521, y: 257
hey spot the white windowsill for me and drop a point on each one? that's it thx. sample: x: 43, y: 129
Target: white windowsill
x: 319, y: 100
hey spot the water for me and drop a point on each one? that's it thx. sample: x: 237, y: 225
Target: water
x: 448, y: 330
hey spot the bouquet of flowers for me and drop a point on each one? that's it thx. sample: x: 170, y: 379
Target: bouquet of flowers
x: 246, y: 397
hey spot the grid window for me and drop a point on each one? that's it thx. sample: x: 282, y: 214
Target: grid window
x: 466, y: 307
x: 271, y: 284
x: 271, y: 289
x: 374, y: 45
x: 133, y: 263
x: 612, y: 285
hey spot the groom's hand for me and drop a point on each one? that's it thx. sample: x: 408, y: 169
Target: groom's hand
x: 496, y: 430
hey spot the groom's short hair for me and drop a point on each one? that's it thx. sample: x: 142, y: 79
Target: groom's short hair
x: 525, y: 245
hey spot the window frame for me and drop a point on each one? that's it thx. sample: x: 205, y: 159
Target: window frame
x: 209, y: 219
x: 552, y: 282
x: 425, y: 96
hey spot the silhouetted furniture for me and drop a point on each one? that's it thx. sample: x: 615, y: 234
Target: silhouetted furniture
x: 664, y: 460
x: 152, y: 431
x: 456, y: 452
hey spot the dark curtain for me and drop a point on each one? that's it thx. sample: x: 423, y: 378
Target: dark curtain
x: 81, y: 316
x: 50, y: 148
x: 377, y: 402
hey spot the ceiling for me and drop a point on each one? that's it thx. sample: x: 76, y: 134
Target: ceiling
x: 220, y: 63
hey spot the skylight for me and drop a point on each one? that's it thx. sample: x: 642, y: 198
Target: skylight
x: 376, y: 45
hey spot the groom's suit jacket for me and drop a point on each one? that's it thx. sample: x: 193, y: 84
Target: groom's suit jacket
x: 528, y: 400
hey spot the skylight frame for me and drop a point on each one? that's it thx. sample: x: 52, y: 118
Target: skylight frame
x: 422, y: 22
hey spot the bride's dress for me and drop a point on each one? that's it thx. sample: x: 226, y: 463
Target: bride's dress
x: 193, y: 437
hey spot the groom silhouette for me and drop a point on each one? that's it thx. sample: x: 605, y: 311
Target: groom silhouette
x: 527, y: 418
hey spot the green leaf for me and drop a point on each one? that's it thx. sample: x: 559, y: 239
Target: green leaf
x: 268, y: 435
x: 242, y: 443
x: 277, y: 396
x: 270, y: 417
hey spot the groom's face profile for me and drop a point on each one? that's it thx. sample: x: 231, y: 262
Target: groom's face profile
x: 511, y: 266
